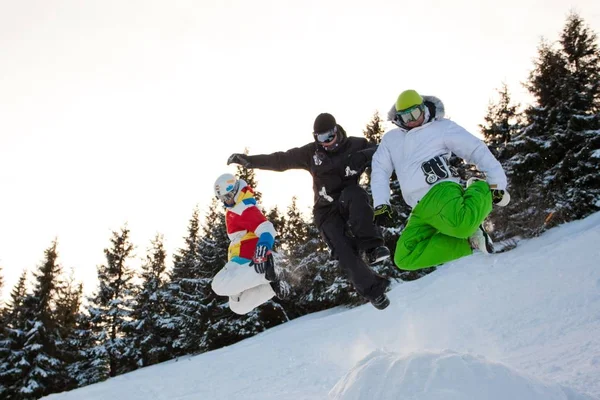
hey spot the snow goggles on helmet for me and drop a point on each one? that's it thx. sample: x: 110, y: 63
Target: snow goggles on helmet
x: 325, y: 137
x: 410, y: 114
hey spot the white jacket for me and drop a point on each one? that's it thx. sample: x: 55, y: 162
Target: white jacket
x: 420, y: 157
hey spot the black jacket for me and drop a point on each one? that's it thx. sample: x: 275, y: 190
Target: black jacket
x: 328, y: 169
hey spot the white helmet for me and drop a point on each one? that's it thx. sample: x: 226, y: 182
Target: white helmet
x: 226, y: 188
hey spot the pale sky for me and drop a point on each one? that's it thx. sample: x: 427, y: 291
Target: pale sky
x: 126, y: 111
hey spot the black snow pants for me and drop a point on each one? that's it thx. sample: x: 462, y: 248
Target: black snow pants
x: 352, y: 211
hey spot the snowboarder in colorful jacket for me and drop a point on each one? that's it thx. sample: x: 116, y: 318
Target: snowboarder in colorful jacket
x: 446, y: 219
x: 336, y: 162
x: 249, y: 278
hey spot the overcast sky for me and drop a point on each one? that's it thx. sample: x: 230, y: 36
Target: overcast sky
x: 126, y: 111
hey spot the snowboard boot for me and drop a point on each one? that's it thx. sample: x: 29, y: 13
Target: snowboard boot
x: 482, y: 241
x: 382, y: 301
x: 377, y: 255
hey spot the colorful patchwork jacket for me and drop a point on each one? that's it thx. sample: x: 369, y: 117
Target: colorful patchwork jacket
x: 246, y: 225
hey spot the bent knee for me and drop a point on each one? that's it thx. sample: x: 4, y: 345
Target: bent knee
x: 405, y: 264
x: 218, y: 287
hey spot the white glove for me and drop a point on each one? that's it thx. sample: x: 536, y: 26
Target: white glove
x: 500, y: 197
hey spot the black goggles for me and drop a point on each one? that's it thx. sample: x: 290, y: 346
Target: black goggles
x: 327, y: 136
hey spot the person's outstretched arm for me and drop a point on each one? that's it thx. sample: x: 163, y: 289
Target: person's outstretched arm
x: 296, y: 158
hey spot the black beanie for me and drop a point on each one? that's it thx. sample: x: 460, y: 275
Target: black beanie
x: 323, y: 123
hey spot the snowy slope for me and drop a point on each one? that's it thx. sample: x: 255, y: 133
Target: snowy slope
x: 519, y: 325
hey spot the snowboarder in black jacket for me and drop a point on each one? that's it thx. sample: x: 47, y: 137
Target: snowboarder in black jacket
x: 336, y: 162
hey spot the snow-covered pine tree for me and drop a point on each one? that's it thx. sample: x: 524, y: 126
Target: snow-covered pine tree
x: 13, y: 365
x: 67, y: 312
x: 274, y: 215
x: 4, y: 342
x: 501, y: 123
x: 1, y: 289
x: 373, y: 132
x: 44, y: 373
x: 110, y: 309
x: 248, y: 175
x: 86, y: 368
x: 553, y: 167
x: 151, y: 341
x: 184, y: 301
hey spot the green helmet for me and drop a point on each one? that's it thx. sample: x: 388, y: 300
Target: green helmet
x: 408, y: 99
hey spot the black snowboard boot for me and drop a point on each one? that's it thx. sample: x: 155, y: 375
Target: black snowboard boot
x: 382, y: 301
x: 377, y: 255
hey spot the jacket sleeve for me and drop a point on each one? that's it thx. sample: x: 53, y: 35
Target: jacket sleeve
x: 381, y: 171
x: 474, y: 151
x: 255, y: 221
x: 296, y: 158
x: 369, y: 150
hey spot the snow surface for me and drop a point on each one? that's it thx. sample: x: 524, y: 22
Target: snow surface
x: 524, y: 324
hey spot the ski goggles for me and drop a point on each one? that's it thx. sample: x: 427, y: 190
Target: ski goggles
x: 327, y: 136
x: 229, y: 196
x: 410, y: 114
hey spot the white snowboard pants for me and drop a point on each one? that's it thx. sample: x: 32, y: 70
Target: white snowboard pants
x: 246, y: 288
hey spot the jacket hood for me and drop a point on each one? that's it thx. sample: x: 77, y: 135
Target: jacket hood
x: 434, y: 105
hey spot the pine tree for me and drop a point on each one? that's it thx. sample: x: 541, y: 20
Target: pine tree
x: 184, y: 300
x: 13, y: 363
x: 90, y: 360
x: 67, y: 314
x: 44, y: 372
x: 248, y: 175
x: 151, y: 342
x: 502, y: 122
x: 4, y: 343
x: 580, y: 49
x: 1, y: 289
x: 110, y: 309
x: 373, y: 132
x: 274, y: 215
x: 294, y: 231
x: 551, y: 163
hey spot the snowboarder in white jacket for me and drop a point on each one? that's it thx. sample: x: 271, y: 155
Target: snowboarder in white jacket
x: 445, y: 222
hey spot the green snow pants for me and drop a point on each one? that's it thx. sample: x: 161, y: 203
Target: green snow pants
x: 441, y: 223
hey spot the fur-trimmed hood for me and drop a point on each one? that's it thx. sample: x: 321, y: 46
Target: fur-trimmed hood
x: 435, y: 109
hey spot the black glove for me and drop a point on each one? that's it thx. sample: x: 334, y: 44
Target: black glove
x: 260, y: 259
x: 357, y: 161
x: 383, y: 215
x: 237, y: 158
